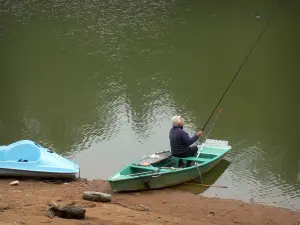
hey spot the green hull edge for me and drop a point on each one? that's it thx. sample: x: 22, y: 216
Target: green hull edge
x: 120, y: 182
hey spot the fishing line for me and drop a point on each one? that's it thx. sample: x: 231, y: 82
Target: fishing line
x: 236, y: 74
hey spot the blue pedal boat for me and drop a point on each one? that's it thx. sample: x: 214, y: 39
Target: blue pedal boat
x: 26, y: 158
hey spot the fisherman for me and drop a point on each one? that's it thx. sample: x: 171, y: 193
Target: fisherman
x: 180, y: 141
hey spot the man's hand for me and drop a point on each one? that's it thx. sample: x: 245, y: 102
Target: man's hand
x: 200, y: 133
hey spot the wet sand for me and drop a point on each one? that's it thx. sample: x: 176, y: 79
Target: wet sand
x: 28, y: 202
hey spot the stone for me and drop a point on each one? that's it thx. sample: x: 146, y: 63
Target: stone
x: 143, y: 208
x: 67, y: 212
x: 96, y: 196
x: 28, y: 204
x: 4, y: 207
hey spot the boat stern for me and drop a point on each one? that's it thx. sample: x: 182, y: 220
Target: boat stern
x: 214, y: 147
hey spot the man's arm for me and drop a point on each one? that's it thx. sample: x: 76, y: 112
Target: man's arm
x: 189, y: 140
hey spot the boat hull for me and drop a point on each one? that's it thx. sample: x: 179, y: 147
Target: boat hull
x: 35, y: 174
x: 26, y: 158
x: 162, y: 180
x: 152, y: 172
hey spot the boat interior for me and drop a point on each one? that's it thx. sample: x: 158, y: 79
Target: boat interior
x: 164, y: 163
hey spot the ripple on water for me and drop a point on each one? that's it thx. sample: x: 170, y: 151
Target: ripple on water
x: 106, y: 29
x: 251, y: 179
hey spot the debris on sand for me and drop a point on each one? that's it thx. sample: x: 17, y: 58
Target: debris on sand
x: 14, y: 183
x: 96, y: 196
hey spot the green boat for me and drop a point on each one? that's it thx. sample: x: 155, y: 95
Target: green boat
x: 160, y: 169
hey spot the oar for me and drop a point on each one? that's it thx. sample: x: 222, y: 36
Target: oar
x: 151, y: 171
x: 208, y: 185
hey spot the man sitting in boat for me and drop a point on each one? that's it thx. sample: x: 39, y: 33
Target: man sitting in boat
x: 180, y: 141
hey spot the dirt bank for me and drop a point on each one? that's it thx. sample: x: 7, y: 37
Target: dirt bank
x: 27, y: 204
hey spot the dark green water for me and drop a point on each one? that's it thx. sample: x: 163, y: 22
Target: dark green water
x: 99, y: 82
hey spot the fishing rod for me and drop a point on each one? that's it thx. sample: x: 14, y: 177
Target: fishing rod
x: 236, y: 74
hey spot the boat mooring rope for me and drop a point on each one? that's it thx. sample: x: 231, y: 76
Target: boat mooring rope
x: 206, y: 137
x: 199, y: 172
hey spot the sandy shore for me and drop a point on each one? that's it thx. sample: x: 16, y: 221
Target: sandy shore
x: 27, y: 204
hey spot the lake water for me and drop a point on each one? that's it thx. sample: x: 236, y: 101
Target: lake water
x: 99, y: 82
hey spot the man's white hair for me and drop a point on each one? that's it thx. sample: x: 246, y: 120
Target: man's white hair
x: 176, y: 120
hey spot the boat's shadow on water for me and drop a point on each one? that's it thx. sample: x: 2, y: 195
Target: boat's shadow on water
x: 210, y: 178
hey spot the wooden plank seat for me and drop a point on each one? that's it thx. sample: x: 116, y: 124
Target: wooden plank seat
x: 196, y: 159
x: 149, y: 168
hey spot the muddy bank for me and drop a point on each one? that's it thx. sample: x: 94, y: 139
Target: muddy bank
x: 27, y: 203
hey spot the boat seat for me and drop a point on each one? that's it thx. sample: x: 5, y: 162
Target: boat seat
x: 2, y: 158
x: 22, y: 153
x: 150, y: 168
x: 196, y: 159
